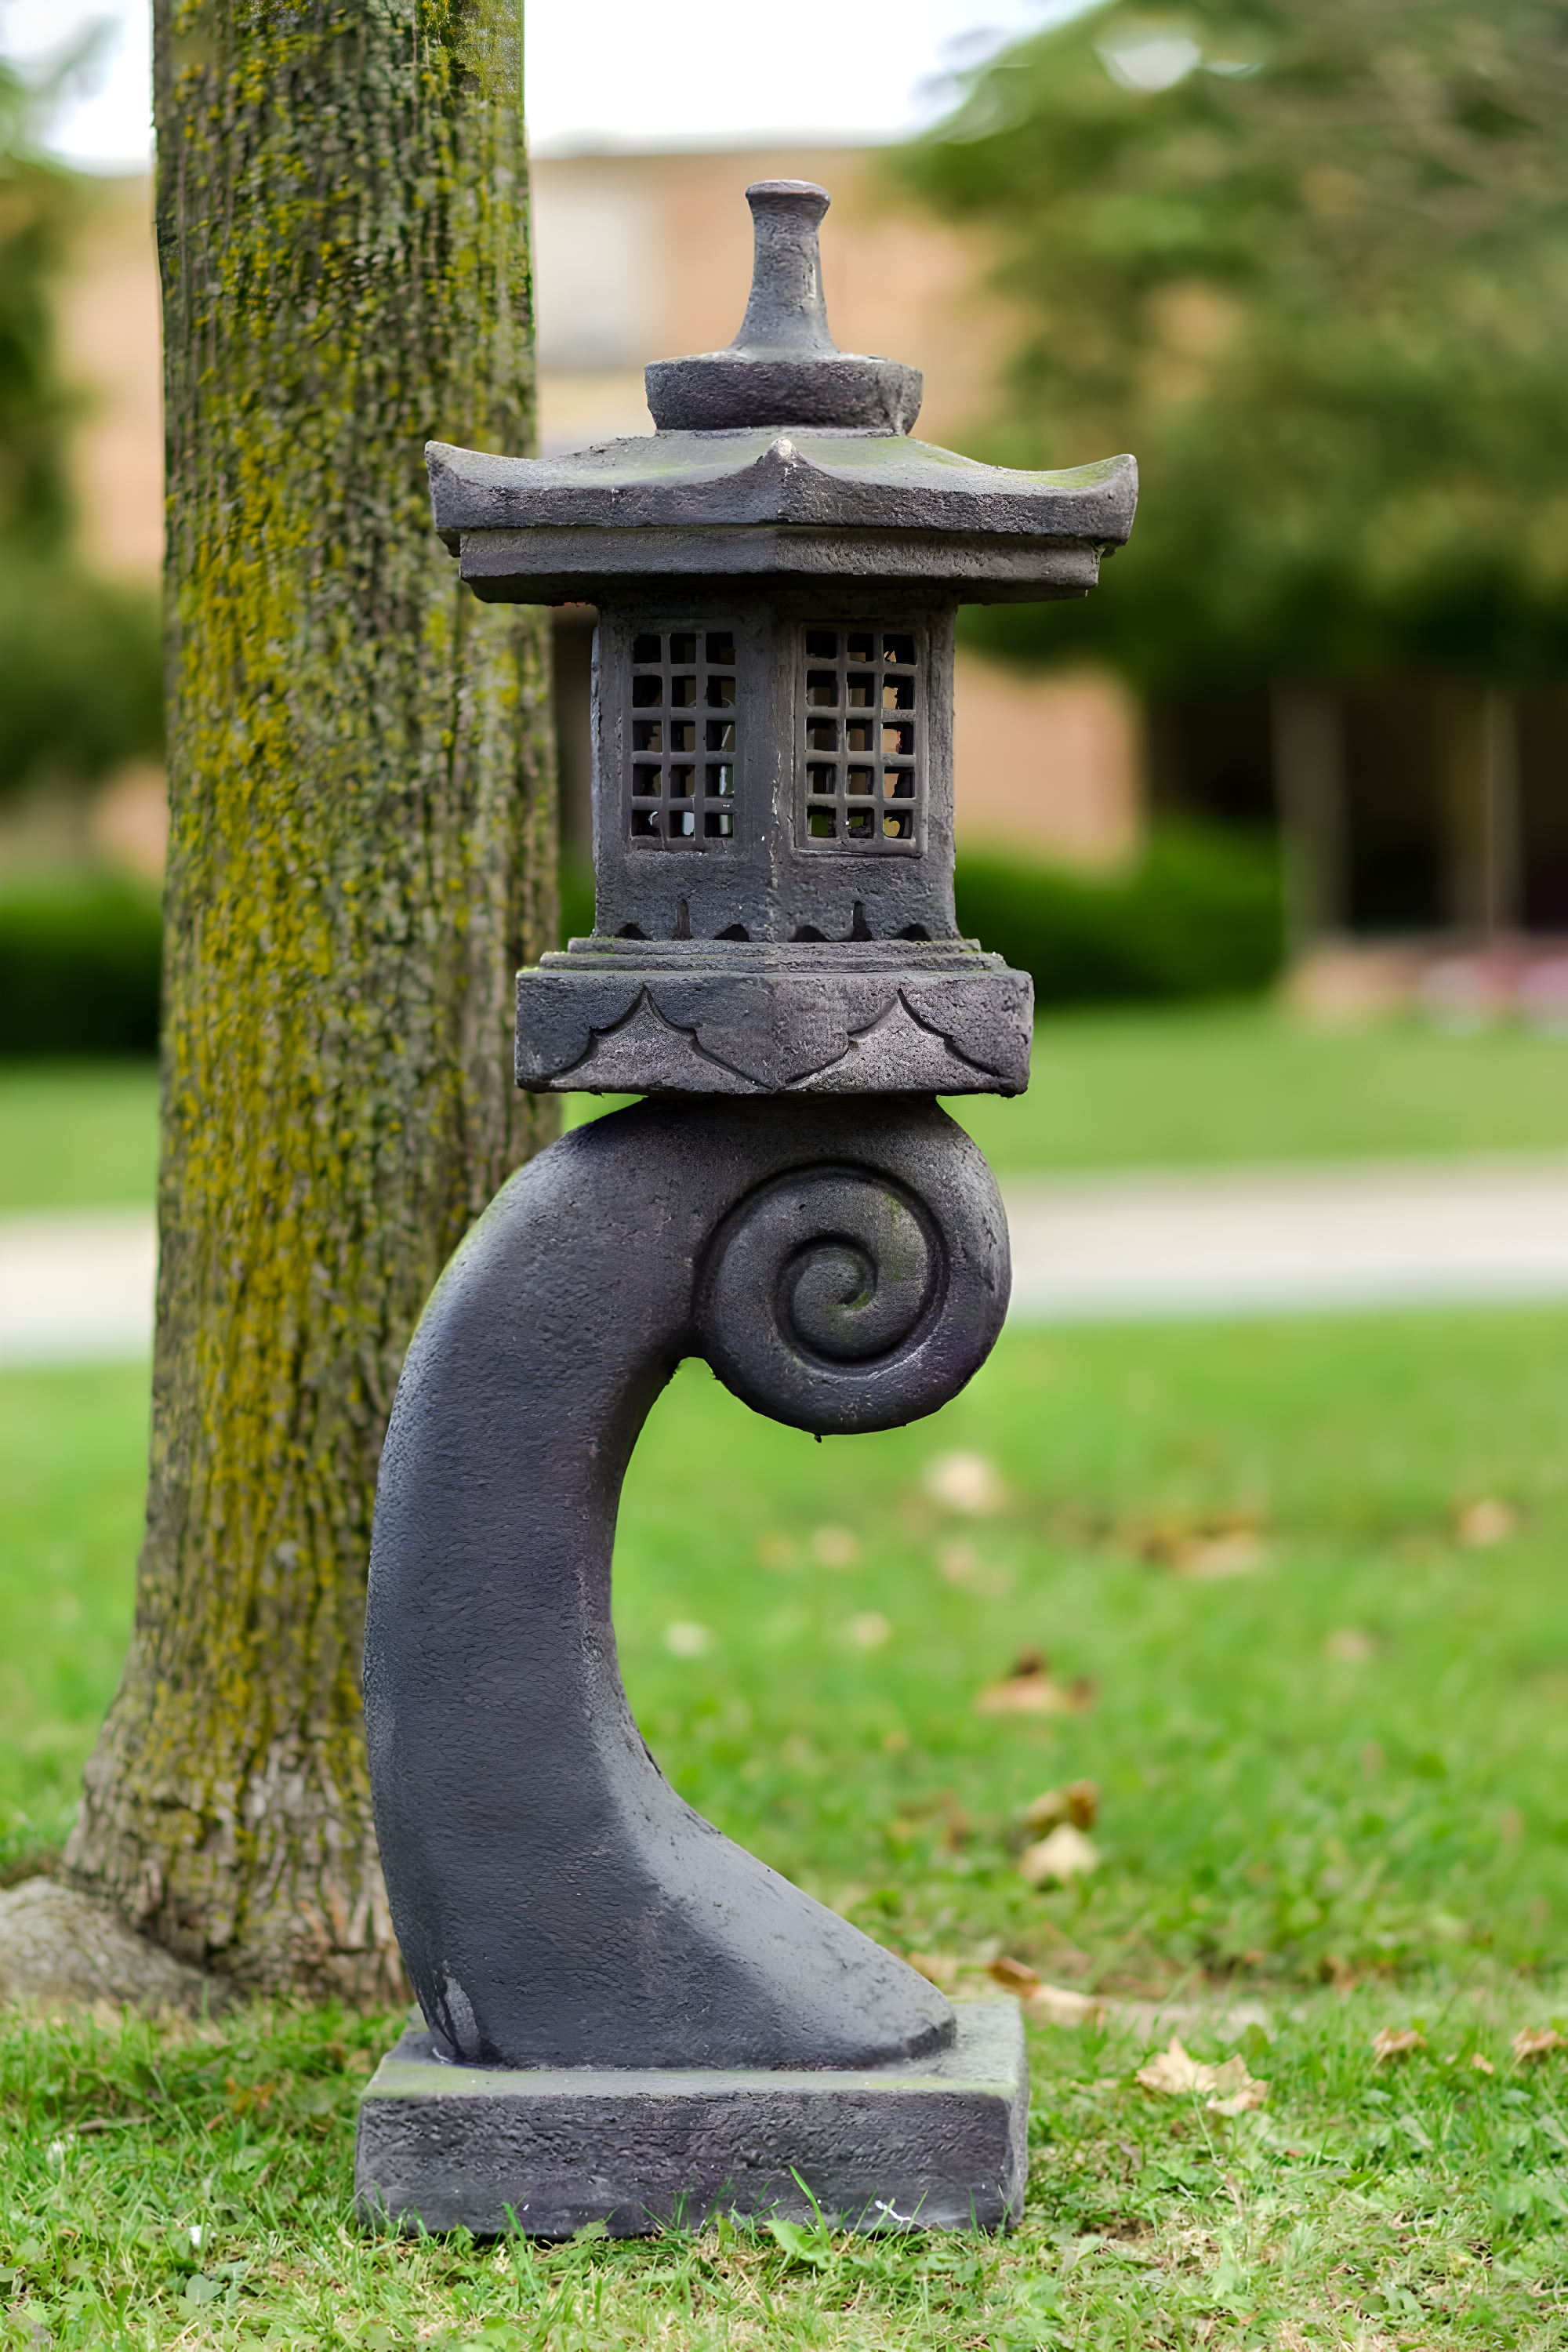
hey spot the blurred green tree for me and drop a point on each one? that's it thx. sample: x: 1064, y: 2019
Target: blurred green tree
x: 1309, y: 258
x: 80, y: 669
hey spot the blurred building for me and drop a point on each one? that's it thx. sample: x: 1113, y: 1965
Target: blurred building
x: 1414, y: 808
x: 640, y: 258
x: 1422, y: 812
x: 108, y: 330
x: 111, y: 335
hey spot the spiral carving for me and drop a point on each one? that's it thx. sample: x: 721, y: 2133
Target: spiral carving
x: 826, y: 1301
x: 842, y: 1266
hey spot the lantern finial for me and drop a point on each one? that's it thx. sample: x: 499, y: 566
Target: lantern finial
x: 787, y: 313
x: 783, y: 367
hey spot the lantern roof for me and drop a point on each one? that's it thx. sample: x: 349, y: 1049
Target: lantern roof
x: 766, y: 453
x: 769, y: 475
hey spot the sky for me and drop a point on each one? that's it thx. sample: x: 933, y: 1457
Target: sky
x: 612, y: 73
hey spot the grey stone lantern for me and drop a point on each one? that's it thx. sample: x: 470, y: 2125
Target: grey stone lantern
x: 625, y: 2017
x: 777, y: 572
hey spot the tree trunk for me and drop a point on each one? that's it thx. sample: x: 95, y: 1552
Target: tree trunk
x: 363, y: 851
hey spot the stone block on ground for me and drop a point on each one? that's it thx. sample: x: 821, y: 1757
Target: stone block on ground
x: 936, y: 2143
x: 60, y: 1949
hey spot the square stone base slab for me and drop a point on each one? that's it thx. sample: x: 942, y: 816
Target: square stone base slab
x: 935, y: 2144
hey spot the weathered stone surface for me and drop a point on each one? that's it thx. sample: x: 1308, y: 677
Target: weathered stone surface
x: 723, y: 877
x: 560, y: 565
x: 62, y: 1949
x: 734, y: 480
x: 717, y: 390
x: 657, y: 1019
x: 936, y: 2143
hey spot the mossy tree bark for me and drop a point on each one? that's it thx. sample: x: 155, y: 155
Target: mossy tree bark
x: 363, y: 851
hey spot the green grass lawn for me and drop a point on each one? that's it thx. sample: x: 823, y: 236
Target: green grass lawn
x: 1328, y: 1724
x: 1349, y: 1757
x: 169, y: 2187
x: 78, y: 1135
x: 1341, y: 1761
x: 1209, y: 1088
x: 73, y: 1477
x: 1109, y: 1090
x: 1195, y: 1089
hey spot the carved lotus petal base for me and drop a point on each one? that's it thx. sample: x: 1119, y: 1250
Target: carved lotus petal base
x: 727, y: 1018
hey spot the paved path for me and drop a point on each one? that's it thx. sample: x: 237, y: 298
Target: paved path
x: 1292, y: 1240
x: 76, y: 1287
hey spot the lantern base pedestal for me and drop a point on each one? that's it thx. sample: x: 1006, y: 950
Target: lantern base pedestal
x: 936, y: 2144
x: 719, y: 1016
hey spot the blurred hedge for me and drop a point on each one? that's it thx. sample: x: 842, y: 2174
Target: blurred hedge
x: 1202, y: 914
x: 577, y: 898
x: 80, y: 958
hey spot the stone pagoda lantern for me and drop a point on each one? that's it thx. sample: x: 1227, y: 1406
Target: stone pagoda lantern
x: 626, y: 2018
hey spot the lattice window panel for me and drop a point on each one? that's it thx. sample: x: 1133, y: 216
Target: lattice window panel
x: 684, y: 734
x: 861, y: 756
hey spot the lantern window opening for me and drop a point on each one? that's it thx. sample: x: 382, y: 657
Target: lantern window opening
x: 860, y: 692
x: 673, y: 787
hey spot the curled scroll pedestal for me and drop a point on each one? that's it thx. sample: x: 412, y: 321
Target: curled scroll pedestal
x: 626, y: 2017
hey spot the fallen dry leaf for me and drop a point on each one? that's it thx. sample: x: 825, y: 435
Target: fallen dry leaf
x: 1079, y: 1803
x: 940, y: 1968
x: 835, y: 1547
x: 1174, y: 2070
x: 952, y: 1822
x: 959, y: 1564
x: 1013, y: 1976
x: 1055, y: 2005
x: 1396, y: 2041
x: 1536, y: 2042
x: 1029, y: 1690
x: 967, y: 1482
x: 1251, y: 2093
x: 1235, y: 1553
x: 1176, y: 2073
x: 1350, y: 1646
x: 955, y: 1830
x: 1482, y: 2066
x: 1485, y: 1522
x: 1067, y: 1853
x: 1042, y: 2003
x: 1029, y: 1694
x: 1226, y: 1544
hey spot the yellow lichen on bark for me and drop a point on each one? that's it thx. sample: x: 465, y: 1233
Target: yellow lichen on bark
x: 361, y: 852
